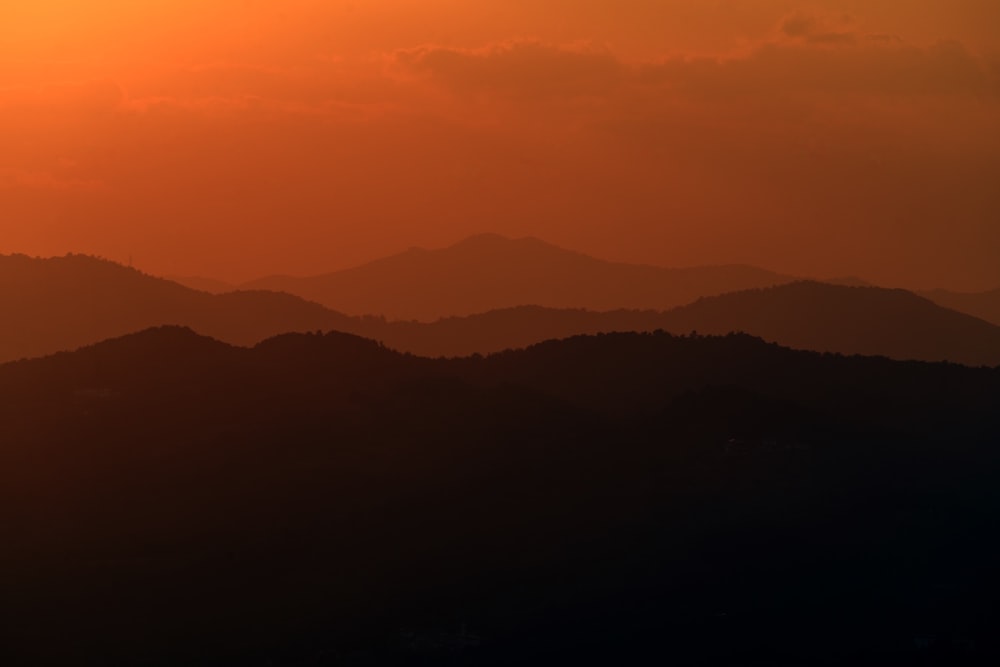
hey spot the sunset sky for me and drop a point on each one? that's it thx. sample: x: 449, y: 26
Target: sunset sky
x: 237, y: 138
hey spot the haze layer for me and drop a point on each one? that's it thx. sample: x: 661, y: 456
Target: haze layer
x: 241, y: 138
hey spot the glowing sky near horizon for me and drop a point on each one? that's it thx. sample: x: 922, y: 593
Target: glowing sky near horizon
x: 235, y: 138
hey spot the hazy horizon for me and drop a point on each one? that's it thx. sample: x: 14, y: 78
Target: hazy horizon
x: 243, y: 139
x: 242, y: 281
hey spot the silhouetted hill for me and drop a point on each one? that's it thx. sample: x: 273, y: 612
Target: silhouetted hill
x: 489, y: 272
x: 804, y: 315
x: 65, y: 302
x: 851, y: 320
x: 984, y: 305
x: 210, y: 285
x: 613, y: 499
x: 503, y: 329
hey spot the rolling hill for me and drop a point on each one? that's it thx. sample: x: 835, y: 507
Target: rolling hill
x: 490, y: 272
x: 64, y: 303
x: 850, y: 320
x: 804, y: 315
x: 984, y: 305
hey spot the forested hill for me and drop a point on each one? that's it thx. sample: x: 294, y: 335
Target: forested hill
x: 169, y: 499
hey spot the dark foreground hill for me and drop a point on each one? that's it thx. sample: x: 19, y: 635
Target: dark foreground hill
x: 489, y: 272
x: 617, y: 499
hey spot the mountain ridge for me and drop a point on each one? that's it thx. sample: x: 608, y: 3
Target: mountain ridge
x: 65, y: 303
x: 984, y: 305
x: 489, y: 271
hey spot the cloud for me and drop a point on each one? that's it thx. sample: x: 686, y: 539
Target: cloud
x: 813, y: 29
x: 813, y: 56
x: 876, y: 69
x: 520, y: 69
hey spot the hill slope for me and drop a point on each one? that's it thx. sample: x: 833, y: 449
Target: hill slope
x: 850, y: 320
x: 210, y: 285
x: 491, y: 272
x: 65, y: 302
x: 803, y: 315
x: 984, y: 305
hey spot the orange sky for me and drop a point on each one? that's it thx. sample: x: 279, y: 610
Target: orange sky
x: 234, y: 138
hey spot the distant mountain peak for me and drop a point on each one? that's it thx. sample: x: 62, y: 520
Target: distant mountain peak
x: 489, y: 271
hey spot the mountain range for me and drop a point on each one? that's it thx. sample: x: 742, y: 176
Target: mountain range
x: 804, y: 315
x: 492, y: 272
x: 64, y: 303
x: 488, y: 272
x: 241, y: 488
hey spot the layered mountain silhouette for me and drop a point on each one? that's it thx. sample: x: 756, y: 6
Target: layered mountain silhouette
x: 984, y: 305
x: 489, y: 272
x: 202, y: 284
x: 64, y: 303
x: 804, y: 315
x: 571, y: 485
x: 499, y: 262
x: 853, y: 320
x: 615, y: 499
